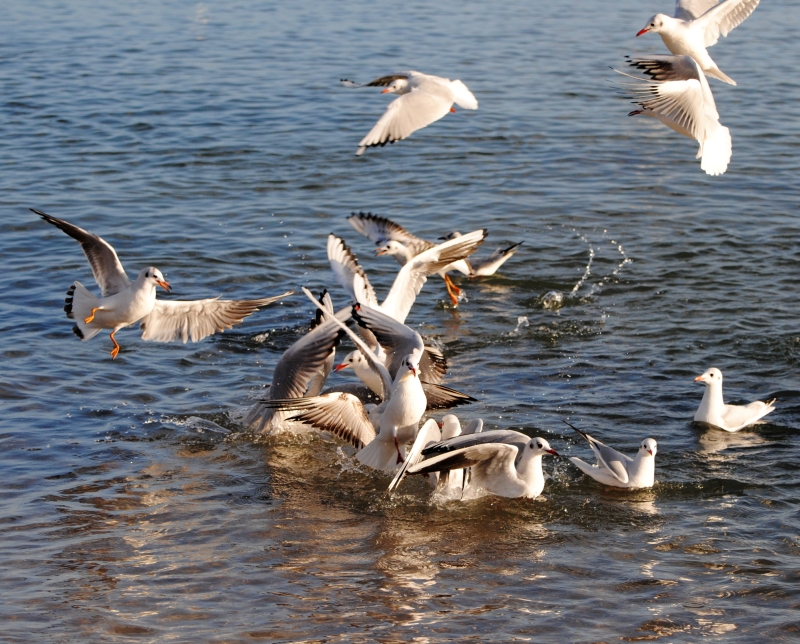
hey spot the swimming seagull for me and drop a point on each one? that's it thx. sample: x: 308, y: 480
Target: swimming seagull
x: 699, y: 24
x: 615, y: 468
x: 731, y: 418
x: 422, y: 100
x: 502, y: 462
x: 392, y: 239
x: 678, y: 95
x: 124, y: 303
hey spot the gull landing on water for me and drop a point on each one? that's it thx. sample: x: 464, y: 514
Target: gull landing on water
x: 699, y: 24
x: 678, y: 95
x: 615, y: 468
x: 422, y: 100
x: 124, y: 303
x: 731, y: 418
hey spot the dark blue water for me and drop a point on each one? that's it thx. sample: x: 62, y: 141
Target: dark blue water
x: 214, y: 141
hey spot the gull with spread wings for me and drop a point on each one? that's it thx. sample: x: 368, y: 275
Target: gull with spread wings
x: 123, y: 302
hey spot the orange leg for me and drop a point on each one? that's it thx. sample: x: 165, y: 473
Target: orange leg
x: 91, y: 317
x: 452, y: 290
x: 115, y: 350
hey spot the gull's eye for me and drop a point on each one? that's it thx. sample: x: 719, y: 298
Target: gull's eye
x: 539, y: 445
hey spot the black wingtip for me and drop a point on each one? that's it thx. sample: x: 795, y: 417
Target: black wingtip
x: 584, y: 434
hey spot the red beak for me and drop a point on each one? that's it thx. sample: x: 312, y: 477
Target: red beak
x: 553, y: 452
x: 385, y: 90
x: 341, y: 366
x: 453, y: 110
x: 643, y: 31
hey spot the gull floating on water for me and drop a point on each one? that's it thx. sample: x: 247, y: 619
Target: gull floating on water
x: 501, y: 462
x: 731, y: 418
x: 423, y: 99
x: 678, y: 95
x: 124, y: 303
x: 699, y: 24
x: 392, y: 239
x: 615, y: 468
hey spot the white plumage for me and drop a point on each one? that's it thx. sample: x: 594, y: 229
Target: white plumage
x: 731, y: 418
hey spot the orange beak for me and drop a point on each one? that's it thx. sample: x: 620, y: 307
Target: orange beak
x: 341, y: 366
x: 453, y: 110
x: 165, y: 285
x: 385, y: 91
x: 643, y: 31
x: 699, y: 379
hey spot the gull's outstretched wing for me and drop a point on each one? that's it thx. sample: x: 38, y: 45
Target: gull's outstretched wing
x: 194, y: 320
x: 106, y: 267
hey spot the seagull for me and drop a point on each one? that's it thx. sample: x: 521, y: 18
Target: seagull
x: 422, y: 100
x: 392, y: 239
x: 678, y: 95
x: 698, y: 24
x: 411, y: 277
x: 502, y: 462
x: 616, y: 469
x: 124, y: 303
x: 302, y: 369
x: 731, y: 418
x: 343, y: 414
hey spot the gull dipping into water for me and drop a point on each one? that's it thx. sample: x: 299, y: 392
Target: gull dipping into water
x: 124, y: 303
x: 699, y: 24
x: 616, y: 469
x: 422, y: 100
x: 731, y: 418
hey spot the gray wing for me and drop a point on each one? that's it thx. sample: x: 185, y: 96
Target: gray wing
x: 615, y: 462
x: 396, y: 338
x: 345, y: 267
x: 481, y: 457
x: 339, y: 413
x: 381, y: 230
x: 106, y: 267
x: 441, y: 397
x: 383, y: 81
x: 475, y: 426
x: 505, y: 436
x: 490, y: 265
x: 194, y: 320
x: 369, y: 355
x: 357, y: 389
x: 317, y: 381
x: 433, y: 366
x: 692, y: 9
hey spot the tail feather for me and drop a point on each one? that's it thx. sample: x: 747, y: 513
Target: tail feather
x: 716, y: 151
x: 719, y: 75
x: 78, y: 306
x: 379, y: 455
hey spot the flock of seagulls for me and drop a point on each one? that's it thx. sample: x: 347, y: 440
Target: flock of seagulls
x: 673, y: 89
x: 401, y: 377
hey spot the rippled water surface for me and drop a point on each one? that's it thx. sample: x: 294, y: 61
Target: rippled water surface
x: 214, y: 141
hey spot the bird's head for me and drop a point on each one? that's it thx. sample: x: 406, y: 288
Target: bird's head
x: 153, y: 275
x: 655, y: 24
x: 649, y: 446
x: 397, y: 86
x: 541, y: 446
x: 350, y: 360
x: 710, y: 377
x: 390, y: 248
